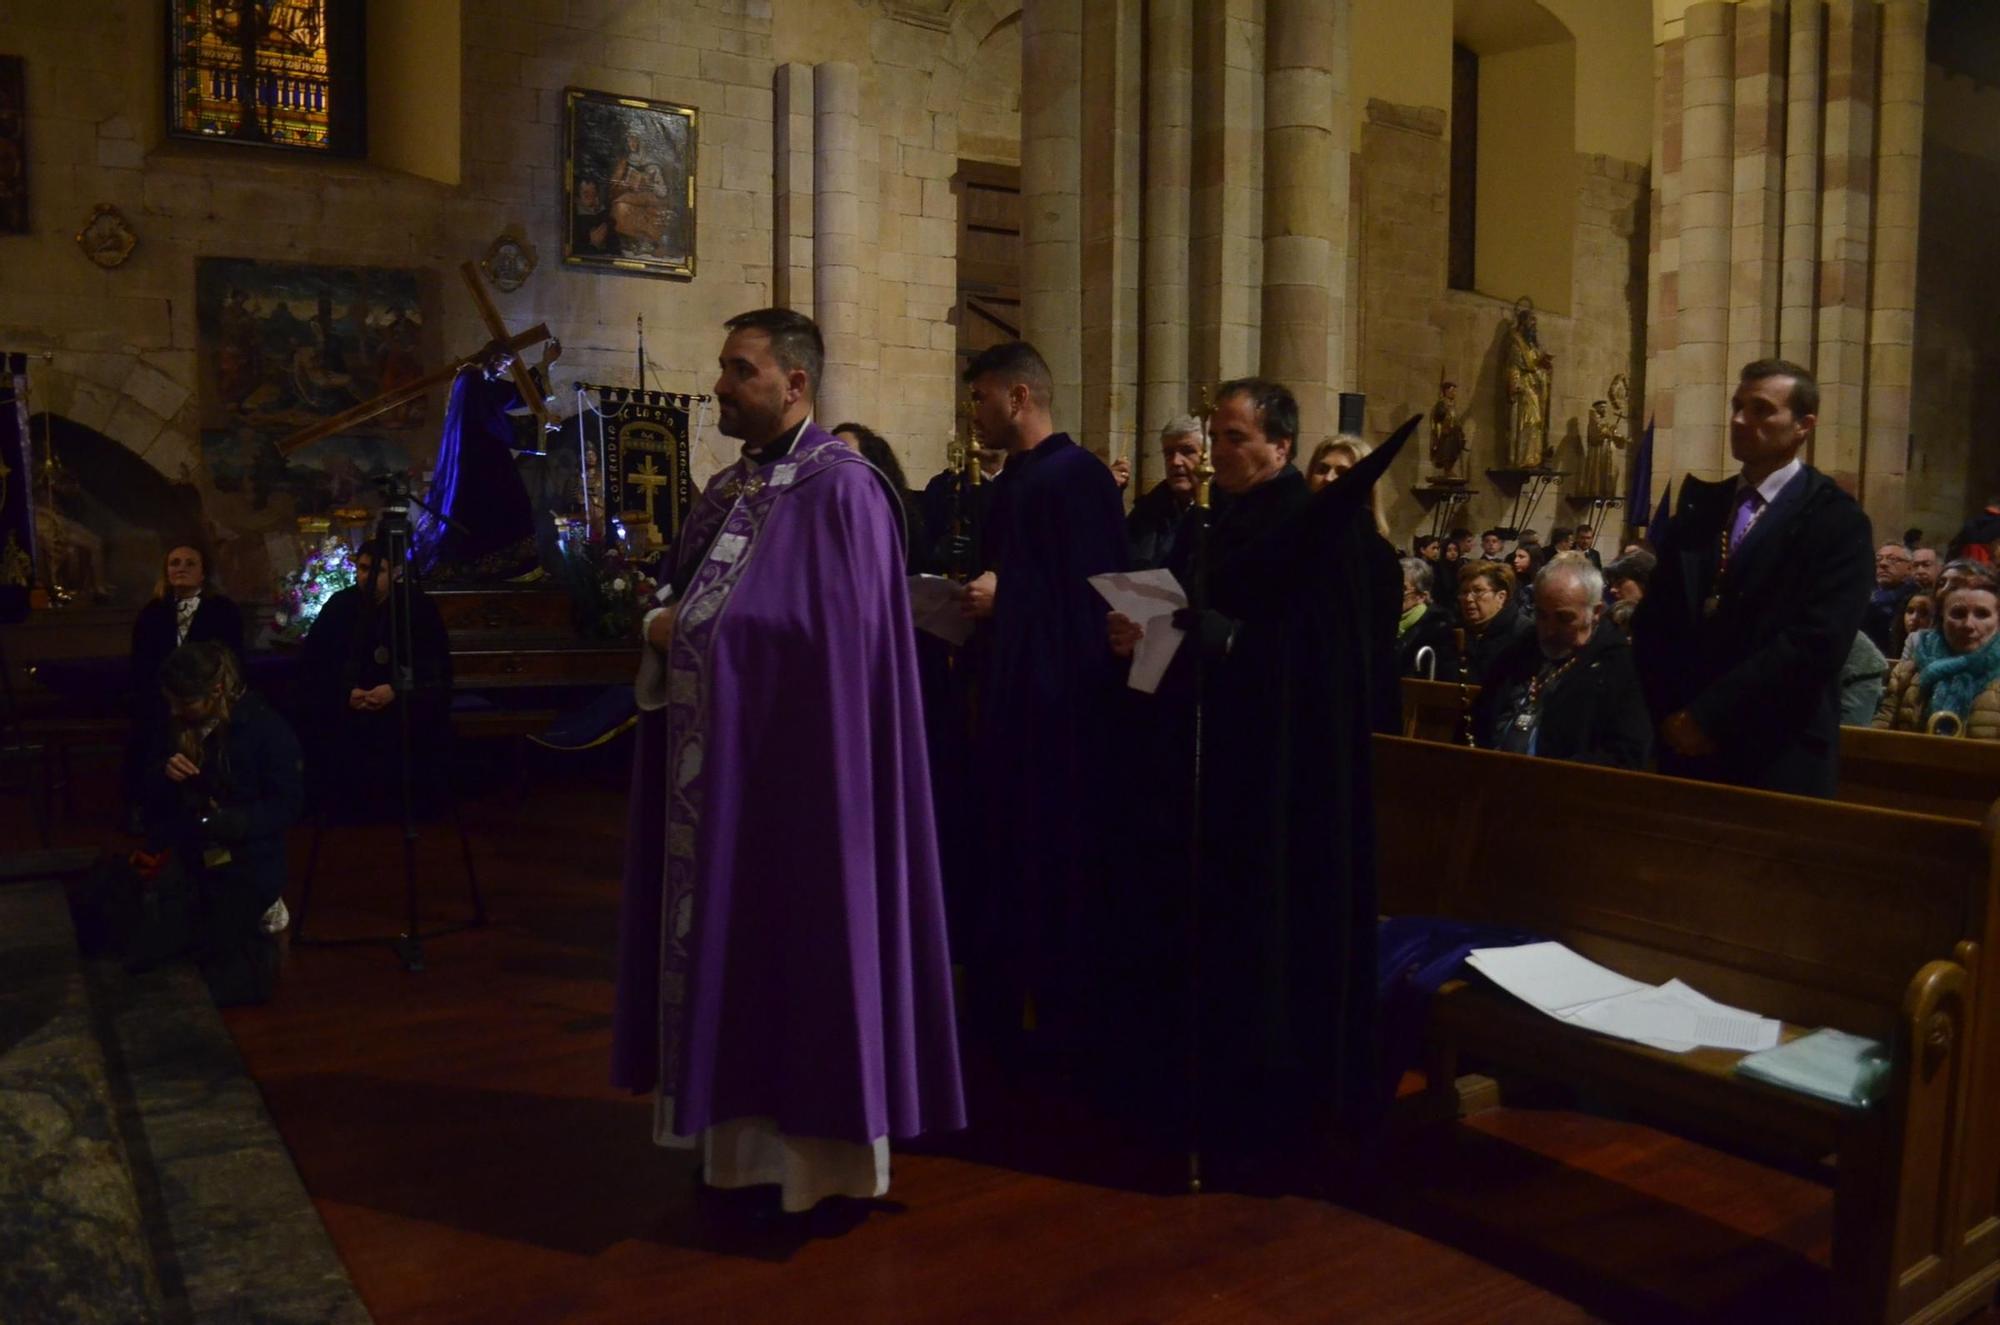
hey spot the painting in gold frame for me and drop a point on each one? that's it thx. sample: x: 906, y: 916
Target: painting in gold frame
x: 628, y: 184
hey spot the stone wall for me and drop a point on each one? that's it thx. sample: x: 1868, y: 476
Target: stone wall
x: 1412, y: 328
x: 124, y: 340
x: 1954, y: 464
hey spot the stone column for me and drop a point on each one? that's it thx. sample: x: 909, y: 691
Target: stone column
x: 1663, y: 309
x: 1227, y: 255
x: 1701, y: 407
x: 1758, y: 217
x: 1169, y: 79
x: 1798, y: 321
x: 1051, y: 188
x: 1300, y: 211
x: 1846, y: 211
x: 1899, y: 146
x: 792, y: 196
x: 843, y: 257
x: 1113, y: 59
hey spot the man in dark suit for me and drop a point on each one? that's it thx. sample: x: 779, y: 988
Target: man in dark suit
x: 1760, y: 588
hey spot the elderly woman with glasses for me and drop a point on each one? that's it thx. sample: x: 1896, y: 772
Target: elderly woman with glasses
x: 1493, y: 619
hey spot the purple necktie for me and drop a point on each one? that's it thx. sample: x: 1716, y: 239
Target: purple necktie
x: 1747, y: 507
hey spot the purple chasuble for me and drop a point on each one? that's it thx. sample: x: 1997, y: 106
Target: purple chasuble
x: 781, y: 947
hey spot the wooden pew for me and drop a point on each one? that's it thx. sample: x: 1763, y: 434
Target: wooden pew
x: 1939, y: 775
x: 1819, y: 913
x: 1943, y: 775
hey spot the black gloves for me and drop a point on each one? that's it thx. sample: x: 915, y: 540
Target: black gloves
x: 1210, y: 630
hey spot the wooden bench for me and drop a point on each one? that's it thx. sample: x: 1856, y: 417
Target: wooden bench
x: 1819, y: 913
x: 1957, y: 779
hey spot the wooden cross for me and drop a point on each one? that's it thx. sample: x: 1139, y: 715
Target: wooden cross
x: 649, y: 480
x: 402, y: 395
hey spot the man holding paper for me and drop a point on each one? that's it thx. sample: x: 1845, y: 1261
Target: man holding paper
x: 1042, y: 757
x: 1289, y: 652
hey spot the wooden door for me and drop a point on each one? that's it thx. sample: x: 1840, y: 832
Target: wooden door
x: 989, y: 259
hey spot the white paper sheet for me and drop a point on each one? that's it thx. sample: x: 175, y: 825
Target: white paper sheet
x: 1550, y: 976
x: 1572, y: 988
x: 934, y: 607
x: 1149, y: 597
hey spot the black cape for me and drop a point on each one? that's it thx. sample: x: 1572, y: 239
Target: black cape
x: 1296, y: 674
x: 354, y: 759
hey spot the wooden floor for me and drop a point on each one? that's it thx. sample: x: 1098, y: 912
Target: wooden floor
x: 456, y: 1131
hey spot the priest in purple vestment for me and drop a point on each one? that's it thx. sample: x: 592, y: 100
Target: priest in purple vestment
x: 784, y: 988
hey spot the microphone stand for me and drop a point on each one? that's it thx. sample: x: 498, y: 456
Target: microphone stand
x: 1198, y: 600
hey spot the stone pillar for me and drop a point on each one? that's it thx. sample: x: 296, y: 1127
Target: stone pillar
x: 792, y: 196
x: 1846, y: 213
x: 1899, y: 145
x: 1300, y: 211
x: 843, y: 257
x: 1701, y: 407
x: 1798, y: 320
x: 1227, y: 252
x: 1663, y: 309
x: 1051, y: 188
x: 1344, y: 267
x: 1113, y: 58
x: 1169, y: 79
x: 1758, y: 217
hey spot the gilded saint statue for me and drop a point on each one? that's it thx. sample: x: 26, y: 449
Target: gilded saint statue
x: 1603, y: 438
x: 1525, y: 408
x: 1450, y: 457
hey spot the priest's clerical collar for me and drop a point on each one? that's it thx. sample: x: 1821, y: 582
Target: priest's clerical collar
x: 780, y: 446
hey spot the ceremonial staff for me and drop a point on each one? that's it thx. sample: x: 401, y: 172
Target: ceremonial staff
x: 1204, y: 477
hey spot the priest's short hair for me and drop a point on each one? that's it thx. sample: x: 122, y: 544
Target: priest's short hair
x: 1277, y: 409
x: 1015, y: 361
x: 795, y: 340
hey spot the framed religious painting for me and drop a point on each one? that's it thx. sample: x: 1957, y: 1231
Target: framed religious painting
x: 628, y: 184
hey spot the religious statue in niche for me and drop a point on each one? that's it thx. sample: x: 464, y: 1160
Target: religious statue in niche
x: 1525, y: 405
x: 1603, y: 437
x: 13, y: 148
x: 1451, y: 457
x: 628, y: 184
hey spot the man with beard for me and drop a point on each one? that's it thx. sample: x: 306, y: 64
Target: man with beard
x: 784, y: 990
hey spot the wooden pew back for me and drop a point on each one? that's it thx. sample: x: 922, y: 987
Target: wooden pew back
x: 1955, y: 779
x: 1812, y: 911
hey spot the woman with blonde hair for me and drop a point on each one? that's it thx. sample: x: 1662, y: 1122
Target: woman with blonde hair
x: 1334, y: 457
x: 1949, y: 685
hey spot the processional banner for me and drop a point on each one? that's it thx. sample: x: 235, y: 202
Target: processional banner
x: 646, y: 440
x: 17, y: 506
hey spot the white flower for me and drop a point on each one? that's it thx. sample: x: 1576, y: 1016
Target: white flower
x: 282, y: 619
x: 618, y: 585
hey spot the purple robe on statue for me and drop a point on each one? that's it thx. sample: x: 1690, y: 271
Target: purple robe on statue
x: 782, y: 941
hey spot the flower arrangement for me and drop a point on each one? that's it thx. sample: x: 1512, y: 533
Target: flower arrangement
x: 327, y: 570
x: 610, y: 592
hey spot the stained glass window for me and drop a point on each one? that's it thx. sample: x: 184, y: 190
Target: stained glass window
x: 282, y: 73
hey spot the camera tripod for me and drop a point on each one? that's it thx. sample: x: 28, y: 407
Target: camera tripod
x: 393, y: 537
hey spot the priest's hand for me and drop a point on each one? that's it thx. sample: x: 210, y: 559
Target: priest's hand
x: 1685, y: 737
x: 1125, y: 634
x: 660, y: 628
x: 180, y: 768
x: 979, y: 596
x: 1121, y: 472
x: 376, y: 699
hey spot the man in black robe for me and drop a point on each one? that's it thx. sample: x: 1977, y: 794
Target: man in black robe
x: 1290, y: 656
x: 1041, y: 756
x: 349, y: 704
x: 1156, y: 517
